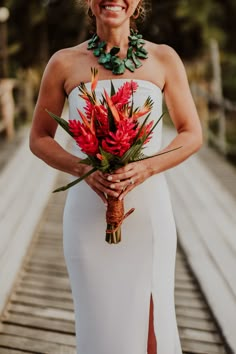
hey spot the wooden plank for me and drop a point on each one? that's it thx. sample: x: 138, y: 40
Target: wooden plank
x: 34, y: 345
x: 13, y: 351
x: 42, y: 293
x: 39, y: 334
x: 37, y: 283
x: 44, y: 302
x: 48, y: 279
x: 191, y: 303
x: 201, y: 348
x: 50, y: 324
x: 192, y: 313
x: 44, y: 271
x: 194, y: 323
x: 42, y: 312
x: 200, y: 336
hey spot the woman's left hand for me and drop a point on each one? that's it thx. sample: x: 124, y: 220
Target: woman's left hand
x: 130, y: 176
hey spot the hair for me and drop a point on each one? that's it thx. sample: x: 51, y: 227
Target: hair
x: 144, y: 9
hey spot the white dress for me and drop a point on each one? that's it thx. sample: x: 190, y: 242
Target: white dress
x: 111, y: 284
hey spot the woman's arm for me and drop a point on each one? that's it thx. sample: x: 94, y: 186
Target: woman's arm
x: 51, y: 97
x: 42, y: 143
x: 185, y: 118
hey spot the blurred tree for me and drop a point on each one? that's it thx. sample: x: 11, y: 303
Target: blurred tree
x: 186, y: 25
x: 38, y: 29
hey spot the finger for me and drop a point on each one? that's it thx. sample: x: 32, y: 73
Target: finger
x: 103, y: 189
x: 122, y: 185
x: 125, y: 169
x: 125, y: 192
x: 120, y: 176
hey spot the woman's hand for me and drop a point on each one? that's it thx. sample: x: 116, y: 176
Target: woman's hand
x: 127, y: 178
x: 100, y: 184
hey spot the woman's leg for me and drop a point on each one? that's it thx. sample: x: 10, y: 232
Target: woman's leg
x: 152, y: 344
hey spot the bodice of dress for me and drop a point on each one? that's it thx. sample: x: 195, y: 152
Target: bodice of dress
x: 145, y: 89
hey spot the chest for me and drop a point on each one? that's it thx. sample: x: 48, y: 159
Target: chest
x: 79, y: 71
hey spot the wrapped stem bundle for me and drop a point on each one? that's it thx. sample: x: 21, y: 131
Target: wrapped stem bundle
x: 114, y: 217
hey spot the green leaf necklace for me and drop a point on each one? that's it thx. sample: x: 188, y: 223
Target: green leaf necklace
x: 111, y: 61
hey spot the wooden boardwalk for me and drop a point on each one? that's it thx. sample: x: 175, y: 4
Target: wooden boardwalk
x: 39, y: 315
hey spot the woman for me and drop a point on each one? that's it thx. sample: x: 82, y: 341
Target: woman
x: 123, y: 294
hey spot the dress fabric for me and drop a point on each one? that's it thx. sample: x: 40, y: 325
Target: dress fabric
x: 111, y: 284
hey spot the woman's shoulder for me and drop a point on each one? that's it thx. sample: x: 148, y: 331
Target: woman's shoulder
x: 64, y: 57
x: 164, y: 53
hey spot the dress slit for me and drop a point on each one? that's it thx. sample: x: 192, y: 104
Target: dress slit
x: 152, y: 338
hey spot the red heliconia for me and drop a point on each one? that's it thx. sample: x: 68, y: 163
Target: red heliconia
x: 146, y: 130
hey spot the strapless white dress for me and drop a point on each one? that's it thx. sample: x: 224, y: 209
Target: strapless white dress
x: 111, y: 284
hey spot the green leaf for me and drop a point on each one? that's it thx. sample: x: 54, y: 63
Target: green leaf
x: 130, y: 65
x: 89, y: 160
x: 62, y: 122
x: 131, y: 153
x: 154, y: 126
x: 102, y: 45
x: 140, y: 41
x: 111, y: 121
x: 158, y: 154
x: 108, y: 66
x: 119, y: 69
x: 116, y: 61
x: 104, y: 58
x: 97, y: 52
x: 141, y: 54
x: 143, y: 50
x: 136, y: 61
x: 113, y: 91
x: 129, y: 53
x: 64, y: 188
x: 114, y: 51
x: 92, y: 45
x: 141, y: 127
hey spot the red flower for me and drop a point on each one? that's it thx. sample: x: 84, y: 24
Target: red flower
x: 145, y: 131
x: 83, y: 136
x: 124, y: 94
x: 101, y: 121
x: 74, y: 127
x: 119, y: 142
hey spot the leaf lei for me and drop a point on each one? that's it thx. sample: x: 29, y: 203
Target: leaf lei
x: 111, y: 61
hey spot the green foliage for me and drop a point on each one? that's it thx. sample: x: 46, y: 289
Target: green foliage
x: 38, y: 28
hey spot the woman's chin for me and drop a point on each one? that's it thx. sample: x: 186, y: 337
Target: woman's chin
x: 112, y: 21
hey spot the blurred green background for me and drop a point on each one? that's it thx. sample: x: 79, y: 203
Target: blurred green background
x: 201, y: 31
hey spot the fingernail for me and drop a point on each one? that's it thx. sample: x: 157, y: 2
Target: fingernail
x: 109, y: 178
x: 112, y: 186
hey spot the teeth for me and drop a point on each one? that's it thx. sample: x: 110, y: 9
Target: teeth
x: 113, y: 8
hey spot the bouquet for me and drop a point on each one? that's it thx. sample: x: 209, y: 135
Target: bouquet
x: 111, y: 135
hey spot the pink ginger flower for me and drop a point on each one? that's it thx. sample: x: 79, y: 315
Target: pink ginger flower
x: 117, y: 143
x: 84, y: 138
x: 123, y: 95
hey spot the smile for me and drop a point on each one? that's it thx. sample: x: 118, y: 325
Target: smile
x: 115, y: 8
